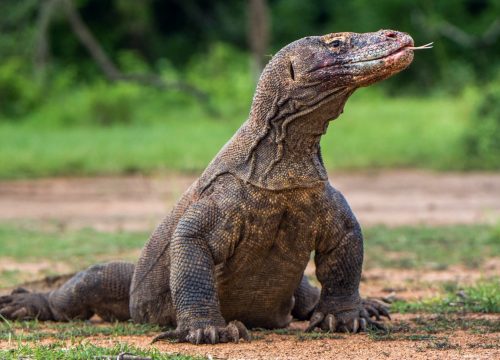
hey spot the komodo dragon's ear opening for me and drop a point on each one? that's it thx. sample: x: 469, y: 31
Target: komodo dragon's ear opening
x: 292, y: 71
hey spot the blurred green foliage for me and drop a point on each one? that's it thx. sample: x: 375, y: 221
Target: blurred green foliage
x: 466, y: 32
x: 204, y: 43
x: 482, y: 141
x: 174, y: 133
x: 18, y: 93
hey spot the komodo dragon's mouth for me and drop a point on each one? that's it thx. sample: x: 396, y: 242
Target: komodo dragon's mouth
x: 398, y: 52
x: 402, y: 49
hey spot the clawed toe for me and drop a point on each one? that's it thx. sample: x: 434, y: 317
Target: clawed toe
x: 14, y: 312
x: 233, y: 332
x: 374, y: 325
x: 376, y: 309
x: 174, y: 335
x: 211, y: 334
x: 6, y: 312
x: 316, y: 319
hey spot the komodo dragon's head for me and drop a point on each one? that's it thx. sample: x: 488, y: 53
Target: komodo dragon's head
x: 347, y: 59
x: 310, y: 70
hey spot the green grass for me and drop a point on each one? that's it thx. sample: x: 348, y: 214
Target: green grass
x: 29, y: 244
x: 374, y: 132
x: 28, y: 334
x: 482, y: 297
x: 397, y: 132
x: 27, y: 151
x: 60, y: 350
x: 35, y: 331
x: 452, y: 321
x: 77, y: 249
x: 431, y: 247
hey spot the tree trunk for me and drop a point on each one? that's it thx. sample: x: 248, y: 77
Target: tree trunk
x: 41, y: 55
x: 258, y: 34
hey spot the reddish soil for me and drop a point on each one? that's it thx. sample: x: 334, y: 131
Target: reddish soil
x: 138, y: 203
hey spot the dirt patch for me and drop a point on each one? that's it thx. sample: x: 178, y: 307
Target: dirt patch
x: 453, y: 344
x: 415, y: 284
x: 25, y: 272
x: 352, y: 346
x: 138, y: 203
x: 32, y: 268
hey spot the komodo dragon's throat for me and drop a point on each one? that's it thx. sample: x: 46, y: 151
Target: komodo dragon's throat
x: 232, y: 253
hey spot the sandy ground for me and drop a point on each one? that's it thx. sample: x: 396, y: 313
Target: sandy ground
x: 445, y: 345
x: 138, y: 203
x: 359, y: 346
x: 391, y: 198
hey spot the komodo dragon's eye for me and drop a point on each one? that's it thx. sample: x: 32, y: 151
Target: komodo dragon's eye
x: 336, y: 43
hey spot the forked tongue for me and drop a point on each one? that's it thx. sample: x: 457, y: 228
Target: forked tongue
x: 422, y: 47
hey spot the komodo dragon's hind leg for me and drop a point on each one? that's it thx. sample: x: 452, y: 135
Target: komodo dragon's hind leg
x: 101, y: 289
x: 306, y: 298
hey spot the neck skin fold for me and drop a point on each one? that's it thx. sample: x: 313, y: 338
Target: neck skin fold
x: 287, y: 154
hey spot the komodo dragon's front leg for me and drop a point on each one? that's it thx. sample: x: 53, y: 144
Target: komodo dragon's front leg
x: 192, y: 280
x: 339, y: 260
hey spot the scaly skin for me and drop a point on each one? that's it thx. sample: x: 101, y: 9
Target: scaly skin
x: 233, y: 251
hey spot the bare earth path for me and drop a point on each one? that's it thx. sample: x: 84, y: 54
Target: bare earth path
x: 138, y: 203
x: 388, y: 197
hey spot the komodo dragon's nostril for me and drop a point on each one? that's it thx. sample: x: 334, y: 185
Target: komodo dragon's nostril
x: 391, y: 35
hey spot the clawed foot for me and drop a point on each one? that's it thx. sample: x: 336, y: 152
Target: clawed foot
x: 233, y: 332
x: 351, y: 321
x: 24, y: 305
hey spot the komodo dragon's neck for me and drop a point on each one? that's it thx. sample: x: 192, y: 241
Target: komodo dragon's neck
x: 278, y: 147
x: 286, y: 152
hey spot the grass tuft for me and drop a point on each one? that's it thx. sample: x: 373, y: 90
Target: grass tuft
x: 432, y: 248
x: 483, y: 297
x: 60, y: 350
x: 35, y: 331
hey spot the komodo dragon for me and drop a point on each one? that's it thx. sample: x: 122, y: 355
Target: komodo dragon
x: 232, y: 253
